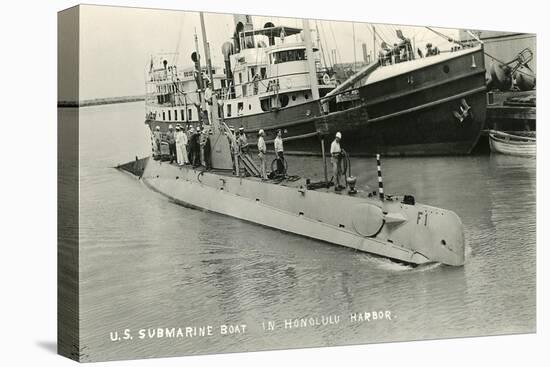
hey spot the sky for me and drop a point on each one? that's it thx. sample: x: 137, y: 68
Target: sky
x: 116, y: 43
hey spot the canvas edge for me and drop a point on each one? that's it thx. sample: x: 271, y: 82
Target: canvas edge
x: 68, y: 322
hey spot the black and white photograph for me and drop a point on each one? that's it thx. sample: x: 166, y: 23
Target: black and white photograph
x: 275, y: 183
x: 235, y: 181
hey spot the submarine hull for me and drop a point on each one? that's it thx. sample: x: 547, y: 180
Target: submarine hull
x: 414, y: 234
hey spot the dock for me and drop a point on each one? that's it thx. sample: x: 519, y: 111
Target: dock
x: 511, y: 111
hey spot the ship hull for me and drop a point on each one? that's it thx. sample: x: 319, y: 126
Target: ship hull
x: 412, y: 113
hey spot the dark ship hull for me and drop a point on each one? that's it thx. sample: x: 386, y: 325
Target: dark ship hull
x: 431, y: 106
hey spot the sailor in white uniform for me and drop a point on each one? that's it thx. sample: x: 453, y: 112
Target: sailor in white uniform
x: 262, y: 150
x: 181, y: 142
x: 336, y: 160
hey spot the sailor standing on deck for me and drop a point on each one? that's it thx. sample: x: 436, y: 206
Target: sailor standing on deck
x: 181, y: 146
x: 262, y: 150
x: 190, y: 152
x: 278, y: 142
x: 196, y: 148
x: 243, y: 142
x: 205, y: 143
x: 336, y: 160
x: 171, y: 138
x: 177, y: 137
x: 157, y: 138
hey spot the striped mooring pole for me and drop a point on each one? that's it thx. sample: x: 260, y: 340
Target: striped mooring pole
x: 380, y: 181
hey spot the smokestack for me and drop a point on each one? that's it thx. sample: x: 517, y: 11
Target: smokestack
x: 243, y: 22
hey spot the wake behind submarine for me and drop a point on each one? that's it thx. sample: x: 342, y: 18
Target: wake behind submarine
x: 395, y: 227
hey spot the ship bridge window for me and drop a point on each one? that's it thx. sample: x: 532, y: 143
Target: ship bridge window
x: 190, y: 114
x: 229, y: 110
x: 288, y: 55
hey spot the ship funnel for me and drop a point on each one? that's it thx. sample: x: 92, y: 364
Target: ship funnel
x: 243, y: 23
x: 227, y: 50
x: 271, y: 37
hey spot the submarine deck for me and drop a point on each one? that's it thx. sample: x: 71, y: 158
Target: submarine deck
x: 292, y: 181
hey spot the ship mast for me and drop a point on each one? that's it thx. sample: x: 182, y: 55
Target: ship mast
x: 311, y: 61
x: 320, y: 44
x: 214, y: 106
x: 201, y: 82
x: 206, y: 51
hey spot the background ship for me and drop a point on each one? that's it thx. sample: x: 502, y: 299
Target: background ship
x: 511, y: 98
x: 407, y: 102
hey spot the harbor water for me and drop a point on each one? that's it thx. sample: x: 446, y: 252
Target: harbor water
x: 148, y: 263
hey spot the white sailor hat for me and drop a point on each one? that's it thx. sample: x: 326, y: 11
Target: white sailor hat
x: 170, y: 126
x: 339, y: 135
x: 158, y: 127
x: 261, y: 132
x: 241, y: 128
x: 198, y: 128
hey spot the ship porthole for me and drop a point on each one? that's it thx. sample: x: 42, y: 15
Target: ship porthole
x: 446, y: 69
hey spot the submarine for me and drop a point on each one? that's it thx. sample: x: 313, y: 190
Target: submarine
x: 394, y: 227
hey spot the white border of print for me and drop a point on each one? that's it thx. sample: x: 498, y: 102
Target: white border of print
x: 28, y: 271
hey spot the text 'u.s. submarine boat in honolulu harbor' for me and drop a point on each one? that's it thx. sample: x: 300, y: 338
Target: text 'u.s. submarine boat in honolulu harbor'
x: 395, y: 227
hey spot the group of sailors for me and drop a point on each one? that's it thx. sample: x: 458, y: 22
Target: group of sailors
x: 188, y: 145
x: 337, y: 155
x: 403, y: 51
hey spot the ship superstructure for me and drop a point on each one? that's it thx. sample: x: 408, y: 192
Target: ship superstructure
x: 405, y: 102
